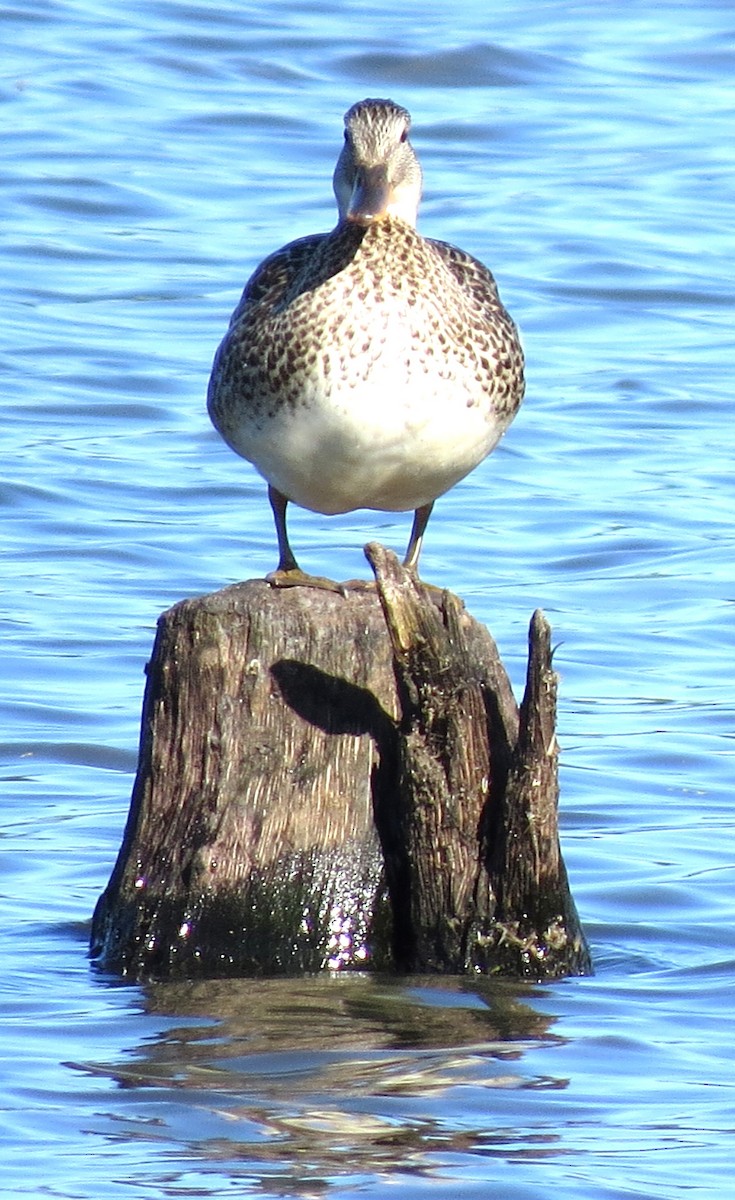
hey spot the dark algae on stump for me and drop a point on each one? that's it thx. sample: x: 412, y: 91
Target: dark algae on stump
x: 331, y: 780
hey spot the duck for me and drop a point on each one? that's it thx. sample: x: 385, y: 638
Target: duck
x: 368, y: 367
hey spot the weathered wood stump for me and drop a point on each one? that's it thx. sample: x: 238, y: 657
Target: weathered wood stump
x: 311, y: 792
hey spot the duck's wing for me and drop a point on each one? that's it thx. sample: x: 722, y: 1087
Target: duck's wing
x: 275, y: 277
x: 473, y: 277
x: 493, y: 334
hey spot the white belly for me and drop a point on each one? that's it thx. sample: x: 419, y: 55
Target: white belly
x: 372, y: 445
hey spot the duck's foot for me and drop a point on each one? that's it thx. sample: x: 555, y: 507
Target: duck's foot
x: 435, y: 595
x: 358, y: 585
x: 295, y: 577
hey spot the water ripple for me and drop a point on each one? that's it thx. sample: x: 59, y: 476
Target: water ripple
x: 150, y: 162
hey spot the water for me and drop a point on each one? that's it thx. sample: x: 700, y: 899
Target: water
x: 151, y: 156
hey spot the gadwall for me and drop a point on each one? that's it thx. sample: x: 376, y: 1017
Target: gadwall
x: 369, y: 367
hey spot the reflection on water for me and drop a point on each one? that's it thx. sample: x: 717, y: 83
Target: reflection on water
x: 347, y: 1011
x: 303, y: 1069
x: 152, y: 158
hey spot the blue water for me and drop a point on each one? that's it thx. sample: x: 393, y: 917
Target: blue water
x: 152, y: 154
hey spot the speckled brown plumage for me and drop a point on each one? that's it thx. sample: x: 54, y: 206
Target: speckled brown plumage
x: 369, y: 367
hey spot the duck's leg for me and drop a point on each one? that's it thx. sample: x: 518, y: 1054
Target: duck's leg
x: 286, y: 560
x: 411, y: 561
x: 420, y: 521
x: 288, y: 573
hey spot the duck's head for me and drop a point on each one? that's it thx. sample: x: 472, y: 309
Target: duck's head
x: 377, y: 174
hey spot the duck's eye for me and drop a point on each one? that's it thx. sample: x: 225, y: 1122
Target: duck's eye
x: 404, y: 135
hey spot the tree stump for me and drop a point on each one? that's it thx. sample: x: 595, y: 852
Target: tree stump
x: 341, y: 781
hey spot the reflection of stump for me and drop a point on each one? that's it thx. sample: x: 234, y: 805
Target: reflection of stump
x: 312, y: 792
